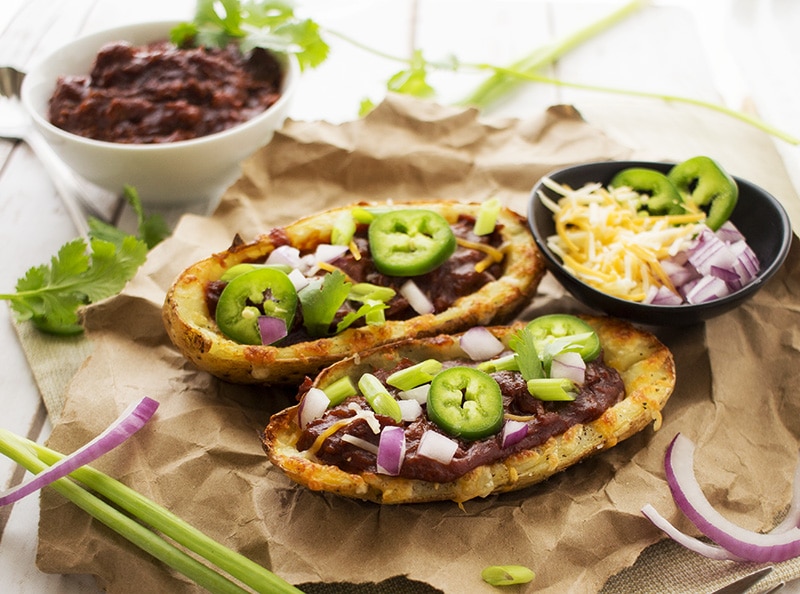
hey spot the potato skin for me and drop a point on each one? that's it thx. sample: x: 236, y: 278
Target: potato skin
x: 647, y: 368
x: 196, y: 335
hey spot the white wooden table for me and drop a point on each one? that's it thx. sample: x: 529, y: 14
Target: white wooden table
x: 743, y: 53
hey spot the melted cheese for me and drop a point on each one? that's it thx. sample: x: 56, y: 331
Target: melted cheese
x: 604, y: 241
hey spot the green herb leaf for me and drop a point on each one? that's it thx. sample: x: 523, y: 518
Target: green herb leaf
x: 371, y: 310
x: 271, y: 25
x: 413, y: 80
x: 320, y: 300
x: 49, y: 296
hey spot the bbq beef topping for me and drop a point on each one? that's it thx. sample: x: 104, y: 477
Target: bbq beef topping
x: 326, y: 437
x: 469, y: 268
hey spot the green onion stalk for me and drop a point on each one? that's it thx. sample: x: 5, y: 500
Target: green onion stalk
x: 503, y: 80
x: 37, y: 458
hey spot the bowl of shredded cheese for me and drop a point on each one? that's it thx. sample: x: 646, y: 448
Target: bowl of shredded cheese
x: 603, y: 246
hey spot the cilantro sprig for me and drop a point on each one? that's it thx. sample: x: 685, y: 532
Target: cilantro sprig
x: 50, y: 295
x: 271, y: 25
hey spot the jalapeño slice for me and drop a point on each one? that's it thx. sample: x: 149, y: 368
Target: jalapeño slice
x: 465, y: 403
x: 410, y: 242
x: 556, y: 333
x: 263, y: 291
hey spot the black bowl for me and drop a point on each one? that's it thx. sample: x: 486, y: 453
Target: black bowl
x: 758, y: 215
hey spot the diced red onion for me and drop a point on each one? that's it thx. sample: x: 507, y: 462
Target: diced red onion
x: 729, y: 275
x: 360, y: 443
x: 662, y: 295
x: 326, y: 252
x: 271, y: 329
x: 480, y: 344
x: 569, y: 365
x: 709, y: 250
x: 418, y: 301
x: 437, y: 447
x: 129, y: 422
x: 410, y: 409
x: 746, y: 264
x: 513, y: 432
x: 708, y: 288
x: 299, y: 280
x: 679, y: 273
x: 420, y: 393
x: 391, y: 450
x: 772, y: 547
x: 729, y: 233
x: 285, y: 254
x: 314, y: 403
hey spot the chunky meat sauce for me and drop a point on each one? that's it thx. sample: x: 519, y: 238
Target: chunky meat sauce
x: 161, y: 93
x: 455, y: 278
x: 602, y: 389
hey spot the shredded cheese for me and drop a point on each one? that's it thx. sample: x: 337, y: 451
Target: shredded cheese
x: 604, y: 241
x: 492, y: 253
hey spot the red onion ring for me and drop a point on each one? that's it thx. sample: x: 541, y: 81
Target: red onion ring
x: 781, y: 544
x: 129, y: 422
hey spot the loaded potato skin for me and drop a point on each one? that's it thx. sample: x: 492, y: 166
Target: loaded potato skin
x: 195, y: 333
x: 645, y: 366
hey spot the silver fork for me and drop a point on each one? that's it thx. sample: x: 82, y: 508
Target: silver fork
x: 15, y: 124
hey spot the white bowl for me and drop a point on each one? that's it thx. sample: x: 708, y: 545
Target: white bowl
x: 183, y: 173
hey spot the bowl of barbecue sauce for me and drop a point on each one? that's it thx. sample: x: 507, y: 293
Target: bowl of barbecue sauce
x: 127, y: 107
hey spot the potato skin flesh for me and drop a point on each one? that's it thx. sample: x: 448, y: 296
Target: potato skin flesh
x: 196, y: 335
x: 647, y: 368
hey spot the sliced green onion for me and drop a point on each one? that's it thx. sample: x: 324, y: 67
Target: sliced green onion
x: 414, y: 376
x: 507, y: 575
x: 505, y: 363
x: 368, y: 291
x: 249, y: 573
x: 339, y: 390
x: 379, y: 398
x: 377, y: 314
x: 344, y: 228
x: 501, y: 83
x: 551, y: 388
x: 487, y: 217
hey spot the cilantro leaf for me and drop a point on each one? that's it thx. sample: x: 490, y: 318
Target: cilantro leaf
x: 50, y: 295
x: 413, y: 80
x: 320, y: 300
x: 270, y: 24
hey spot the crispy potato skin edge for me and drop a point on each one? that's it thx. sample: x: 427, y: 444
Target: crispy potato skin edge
x: 196, y: 336
x: 648, y: 372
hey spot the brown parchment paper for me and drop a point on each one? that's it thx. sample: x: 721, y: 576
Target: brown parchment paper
x: 201, y: 457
